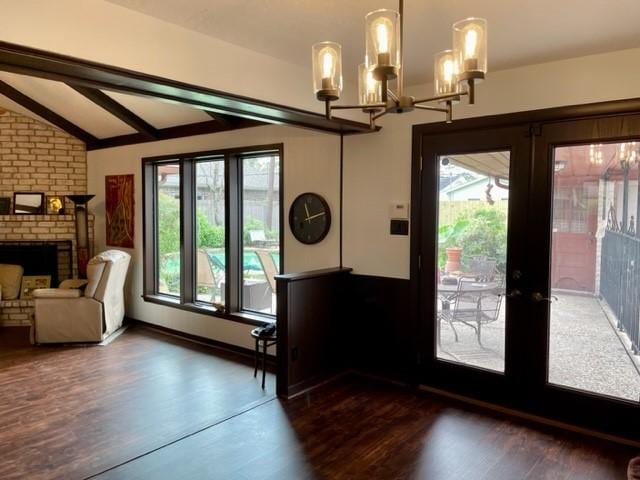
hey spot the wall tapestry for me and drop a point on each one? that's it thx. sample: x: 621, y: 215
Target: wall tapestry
x: 119, y: 210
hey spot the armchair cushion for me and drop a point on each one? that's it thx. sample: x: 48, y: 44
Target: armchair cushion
x: 10, y: 279
x: 94, y: 273
x: 56, y: 293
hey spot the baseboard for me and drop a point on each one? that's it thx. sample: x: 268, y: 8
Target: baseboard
x: 307, y: 386
x: 209, y: 342
x: 529, y: 416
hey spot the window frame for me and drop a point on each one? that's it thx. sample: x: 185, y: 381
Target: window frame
x: 232, y: 158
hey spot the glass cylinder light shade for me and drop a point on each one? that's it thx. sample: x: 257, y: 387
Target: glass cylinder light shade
x: 383, y: 43
x: 369, y: 89
x: 470, y: 40
x: 327, y: 70
x: 446, y: 73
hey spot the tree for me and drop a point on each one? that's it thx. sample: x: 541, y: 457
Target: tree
x: 168, y: 224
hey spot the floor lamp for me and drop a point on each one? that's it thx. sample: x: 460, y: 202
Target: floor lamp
x: 82, y: 231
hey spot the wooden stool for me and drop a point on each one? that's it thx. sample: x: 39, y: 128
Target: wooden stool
x: 267, y: 341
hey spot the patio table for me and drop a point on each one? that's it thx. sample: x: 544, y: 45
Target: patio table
x: 447, y: 292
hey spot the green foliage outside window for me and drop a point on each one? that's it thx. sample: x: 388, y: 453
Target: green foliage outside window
x: 479, y: 232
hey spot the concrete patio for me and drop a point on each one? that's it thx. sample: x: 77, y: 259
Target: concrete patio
x: 586, y: 351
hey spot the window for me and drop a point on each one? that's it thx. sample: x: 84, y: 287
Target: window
x: 169, y: 225
x: 213, y: 231
x: 260, y: 227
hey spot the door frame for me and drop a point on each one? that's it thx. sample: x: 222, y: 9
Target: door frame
x: 603, y: 413
x: 443, y: 373
x: 533, y: 396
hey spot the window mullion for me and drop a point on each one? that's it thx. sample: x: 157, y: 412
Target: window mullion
x: 188, y: 231
x: 233, y: 236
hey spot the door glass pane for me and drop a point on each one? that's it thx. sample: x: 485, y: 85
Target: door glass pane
x: 260, y: 232
x: 472, y: 253
x: 168, y: 228
x: 595, y: 270
x: 210, y: 230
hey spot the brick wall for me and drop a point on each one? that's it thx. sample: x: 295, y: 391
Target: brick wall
x: 38, y: 158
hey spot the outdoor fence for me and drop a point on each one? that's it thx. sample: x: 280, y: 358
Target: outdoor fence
x: 620, y: 281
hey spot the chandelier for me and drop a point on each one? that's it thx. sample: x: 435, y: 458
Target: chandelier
x: 628, y: 154
x: 595, y: 154
x: 457, y: 71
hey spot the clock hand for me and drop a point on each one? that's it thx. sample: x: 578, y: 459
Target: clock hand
x: 316, y: 215
x: 306, y: 209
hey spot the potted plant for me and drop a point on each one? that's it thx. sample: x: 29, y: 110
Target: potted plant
x: 448, y: 239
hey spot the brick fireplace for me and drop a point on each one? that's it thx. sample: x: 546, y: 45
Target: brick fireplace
x: 53, y: 258
x: 37, y: 157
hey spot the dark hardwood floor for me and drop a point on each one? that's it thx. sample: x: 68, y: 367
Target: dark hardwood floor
x: 72, y: 412
x: 153, y: 407
x: 356, y: 429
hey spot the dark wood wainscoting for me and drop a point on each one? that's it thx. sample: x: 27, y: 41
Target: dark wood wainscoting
x: 311, y: 340
x: 380, y: 327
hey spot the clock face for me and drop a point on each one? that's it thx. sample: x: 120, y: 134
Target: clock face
x: 309, y: 218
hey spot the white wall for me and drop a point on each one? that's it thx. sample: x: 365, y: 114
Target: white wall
x: 311, y: 163
x: 378, y: 166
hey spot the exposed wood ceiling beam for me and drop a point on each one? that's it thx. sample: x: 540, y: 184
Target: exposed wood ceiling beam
x: 218, y: 117
x: 53, y: 66
x: 188, y: 130
x: 117, y: 110
x: 49, y: 115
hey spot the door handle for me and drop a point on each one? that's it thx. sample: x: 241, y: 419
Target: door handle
x: 538, y: 297
x: 513, y: 293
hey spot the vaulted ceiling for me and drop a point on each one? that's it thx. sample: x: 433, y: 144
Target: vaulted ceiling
x: 91, y: 114
x: 521, y: 32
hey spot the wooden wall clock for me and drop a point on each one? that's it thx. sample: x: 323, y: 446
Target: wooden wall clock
x: 309, y: 218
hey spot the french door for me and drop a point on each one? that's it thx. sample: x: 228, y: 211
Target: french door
x: 526, y: 267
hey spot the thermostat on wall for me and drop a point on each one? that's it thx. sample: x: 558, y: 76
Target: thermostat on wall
x: 399, y: 211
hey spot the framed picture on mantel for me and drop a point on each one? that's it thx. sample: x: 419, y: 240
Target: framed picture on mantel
x: 118, y: 190
x: 28, y: 203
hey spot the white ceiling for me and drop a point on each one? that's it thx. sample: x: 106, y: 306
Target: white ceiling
x: 521, y: 32
x: 82, y: 112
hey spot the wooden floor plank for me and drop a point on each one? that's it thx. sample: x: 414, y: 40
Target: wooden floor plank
x: 355, y: 429
x: 149, y: 406
x: 71, y: 412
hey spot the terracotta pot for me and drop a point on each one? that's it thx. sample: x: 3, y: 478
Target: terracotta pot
x: 453, y: 260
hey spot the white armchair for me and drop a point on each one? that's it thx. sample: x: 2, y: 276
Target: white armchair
x: 67, y: 314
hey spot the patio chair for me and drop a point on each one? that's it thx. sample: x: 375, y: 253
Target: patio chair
x: 269, y: 267
x: 490, y: 304
x: 473, y: 307
x: 462, y: 307
x: 483, y: 268
x: 206, y: 274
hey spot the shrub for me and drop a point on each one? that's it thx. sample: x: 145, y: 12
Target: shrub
x: 479, y: 232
